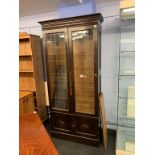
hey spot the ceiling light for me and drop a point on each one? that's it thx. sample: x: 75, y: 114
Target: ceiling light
x: 80, y: 1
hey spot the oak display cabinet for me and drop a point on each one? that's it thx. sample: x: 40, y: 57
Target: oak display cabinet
x: 31, y: 75
x: 72, y: 46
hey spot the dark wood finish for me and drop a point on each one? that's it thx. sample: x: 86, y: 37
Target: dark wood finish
x: 31, y: 70
x: 61, y: 122
x: 76, y: 124
x: 75, y: 138
x: 38, y: 74
x: 70, y: 148
x: 33, y: 138
x: 72, y: 21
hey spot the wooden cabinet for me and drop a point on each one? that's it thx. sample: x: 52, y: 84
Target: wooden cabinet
x: 72, y: 47
x: 31, y: 71
x: 26, y: 102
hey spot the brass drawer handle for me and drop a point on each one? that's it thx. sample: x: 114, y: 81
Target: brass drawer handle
x: 62, y: 123
x: 84, y: 126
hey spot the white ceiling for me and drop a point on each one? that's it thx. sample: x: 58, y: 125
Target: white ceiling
x: 32, y: 7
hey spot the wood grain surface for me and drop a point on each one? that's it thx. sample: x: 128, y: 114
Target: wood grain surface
x: 26, y: 102
x: 24, y: 93
x: 33, y: 138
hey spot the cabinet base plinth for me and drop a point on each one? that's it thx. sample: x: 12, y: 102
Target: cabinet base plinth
x: 75, y: 138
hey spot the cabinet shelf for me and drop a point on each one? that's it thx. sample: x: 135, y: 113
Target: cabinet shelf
x: 30, y: 62
x: 126, y: 75
x: 127, y: 53
x: 122, y: 52
x: 126, y: 111
x: 25, y: 55
x: 26, y: 71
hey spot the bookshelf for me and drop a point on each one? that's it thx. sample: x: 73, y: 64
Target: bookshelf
x: 31, y: 72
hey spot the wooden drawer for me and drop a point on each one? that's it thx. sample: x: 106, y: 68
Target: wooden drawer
x: 26, y: 102
x: 86, y: 126
x: 61, y: 122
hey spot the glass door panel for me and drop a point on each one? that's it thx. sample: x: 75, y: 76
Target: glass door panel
x: 57, y: 70
x: 83, y: 63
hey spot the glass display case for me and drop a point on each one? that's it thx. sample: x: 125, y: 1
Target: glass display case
x: 125, y: 144
x: 126, y: 139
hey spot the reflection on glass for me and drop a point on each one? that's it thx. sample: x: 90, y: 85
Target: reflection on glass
x: 83, y: 58
x: 124, y: 83
x: 127, y: 63
x: 127, y: 32
x: 57, y: 70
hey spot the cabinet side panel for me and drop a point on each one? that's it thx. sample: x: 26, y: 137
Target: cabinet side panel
x: 39, y: 79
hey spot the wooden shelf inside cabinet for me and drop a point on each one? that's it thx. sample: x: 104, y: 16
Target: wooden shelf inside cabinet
x: 25, y: 55
x: 31, y: 70
x: 26, y: 71
x: 25, y: 93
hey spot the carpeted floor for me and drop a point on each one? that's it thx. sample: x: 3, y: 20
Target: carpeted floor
x: 71, y: 148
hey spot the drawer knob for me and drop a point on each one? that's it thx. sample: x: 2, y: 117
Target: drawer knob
x: 73, y: 125
x: 61, y: 122
x: 84, y: 126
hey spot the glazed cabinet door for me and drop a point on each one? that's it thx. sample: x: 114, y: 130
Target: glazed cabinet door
x: 57, y: 60
x: 82, y: 49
